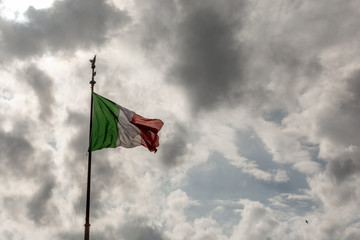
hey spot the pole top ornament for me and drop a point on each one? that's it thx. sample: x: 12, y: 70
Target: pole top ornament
x: 92, y: 82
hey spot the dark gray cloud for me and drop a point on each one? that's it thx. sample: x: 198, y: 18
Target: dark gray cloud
x: 313, y: 67
x: 40, y: 208
x: 209, y: 58
x: 342, y: 169
x: 292, y: 61
x: 342, y: 173
x: 158, y: 27
x: 42, y: 84
x: 15, y: 150
x: 339, y: 124
x: 173, y: 151
x: 285, y: 55
x: 66, y: 26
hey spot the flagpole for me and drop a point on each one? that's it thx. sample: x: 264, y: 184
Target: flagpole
x: 87, y: 217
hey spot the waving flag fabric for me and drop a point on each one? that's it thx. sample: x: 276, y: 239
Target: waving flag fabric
x: 114, y: 125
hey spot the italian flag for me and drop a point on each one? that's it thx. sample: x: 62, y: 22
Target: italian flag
x: 114, y: 125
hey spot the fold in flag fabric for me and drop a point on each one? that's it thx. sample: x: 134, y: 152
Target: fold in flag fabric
x: 114, y: 125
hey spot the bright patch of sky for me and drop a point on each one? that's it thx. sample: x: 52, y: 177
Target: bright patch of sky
x: 15, y: 9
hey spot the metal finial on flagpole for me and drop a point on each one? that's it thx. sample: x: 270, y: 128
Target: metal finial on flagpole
x: 92, y: 82
x: 87, y: 217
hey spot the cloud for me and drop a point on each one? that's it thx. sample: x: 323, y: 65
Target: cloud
x: 207, y: 228
x: 342, y: 169
x: 257, y: 222
x: 174, y: 150
x: 65, y: 26
x: 109, y: 171
x: 14, y: 149
x: 40, y: 208
x: 275, y: 87
x: 352, y: 234
x: 133, y: 231
x: 25, y: 167
x: 103, y: 173
x: 128, y: 231
x: 339, y: 123
x: 209, y: 60
x: 43, y: 85
x: 156, y: 29
x: 78, y: 140
x: 337, y: 191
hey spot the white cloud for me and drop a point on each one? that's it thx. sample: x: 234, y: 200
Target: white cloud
x: 257, y: 222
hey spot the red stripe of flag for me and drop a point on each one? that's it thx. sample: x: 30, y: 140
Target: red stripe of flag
x: 148, y: 131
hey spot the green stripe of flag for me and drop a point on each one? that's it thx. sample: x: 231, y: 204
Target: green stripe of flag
x: 104, y: 129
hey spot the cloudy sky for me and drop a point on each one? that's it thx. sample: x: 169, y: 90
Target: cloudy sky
x: 261, y: 105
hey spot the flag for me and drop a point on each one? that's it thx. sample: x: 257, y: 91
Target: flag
x: 114, y: 125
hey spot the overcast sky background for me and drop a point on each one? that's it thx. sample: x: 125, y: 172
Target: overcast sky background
x: 261, y: 105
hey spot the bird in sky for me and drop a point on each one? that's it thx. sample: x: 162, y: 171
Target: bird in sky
x: 307, y: 221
